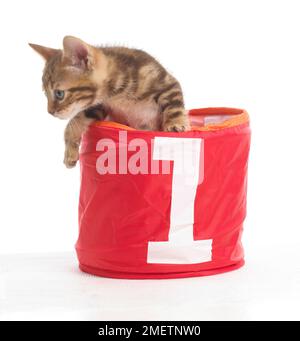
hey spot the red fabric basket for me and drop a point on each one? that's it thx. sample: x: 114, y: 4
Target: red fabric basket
x: 150, y: 215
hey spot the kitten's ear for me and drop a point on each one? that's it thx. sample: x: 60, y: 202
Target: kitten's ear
x: 77, y: 53
x: 45, y: 52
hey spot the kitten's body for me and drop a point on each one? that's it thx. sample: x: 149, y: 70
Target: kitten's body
x: 126, y: 85
x: 139, y: 115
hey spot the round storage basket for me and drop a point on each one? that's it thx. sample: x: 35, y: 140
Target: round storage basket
x: 164, y: 205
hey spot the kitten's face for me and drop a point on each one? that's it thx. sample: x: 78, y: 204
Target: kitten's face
x: 68, y: 90
x: 67, y: 78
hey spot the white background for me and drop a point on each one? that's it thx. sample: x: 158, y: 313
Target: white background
x: 242, y: 54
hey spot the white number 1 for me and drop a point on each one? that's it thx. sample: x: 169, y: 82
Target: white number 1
x: 181, y: 248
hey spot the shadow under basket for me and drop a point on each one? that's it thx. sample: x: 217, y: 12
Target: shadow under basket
x: 164, y: 205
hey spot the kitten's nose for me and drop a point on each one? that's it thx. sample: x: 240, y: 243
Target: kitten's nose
x: 51, y: 110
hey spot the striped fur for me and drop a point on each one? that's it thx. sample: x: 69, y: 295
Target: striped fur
x: 129, y: 85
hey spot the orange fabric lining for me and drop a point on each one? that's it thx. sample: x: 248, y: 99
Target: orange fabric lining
x: 240, y: 117
x: 112, y: 124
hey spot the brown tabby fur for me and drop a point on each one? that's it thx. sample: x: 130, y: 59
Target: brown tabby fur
x: 126, y: 85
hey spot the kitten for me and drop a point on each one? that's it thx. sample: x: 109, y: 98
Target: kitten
x: 84, y: 83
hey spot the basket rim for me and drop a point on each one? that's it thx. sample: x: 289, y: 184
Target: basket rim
x: 240, y: 116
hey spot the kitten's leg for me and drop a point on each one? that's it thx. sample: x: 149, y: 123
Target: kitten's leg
x: 174, y: 116
x: 75, y: 128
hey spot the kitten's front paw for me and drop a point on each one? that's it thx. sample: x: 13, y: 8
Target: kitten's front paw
x: 179, y: 125
x: 71, y: 158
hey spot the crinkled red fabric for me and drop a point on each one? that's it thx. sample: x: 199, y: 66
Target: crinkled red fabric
x: 120, y: 213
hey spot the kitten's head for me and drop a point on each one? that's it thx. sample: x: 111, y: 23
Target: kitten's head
x: 68, y: 78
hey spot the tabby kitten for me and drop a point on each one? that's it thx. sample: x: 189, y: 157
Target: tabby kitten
x: 84, y: 83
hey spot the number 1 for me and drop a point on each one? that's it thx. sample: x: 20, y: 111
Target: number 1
x: 181, y: 248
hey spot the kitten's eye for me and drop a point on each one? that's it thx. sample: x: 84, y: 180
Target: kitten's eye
x: 59, y: 94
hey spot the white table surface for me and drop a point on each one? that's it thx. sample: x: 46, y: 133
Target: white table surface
x: 51, y: 287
